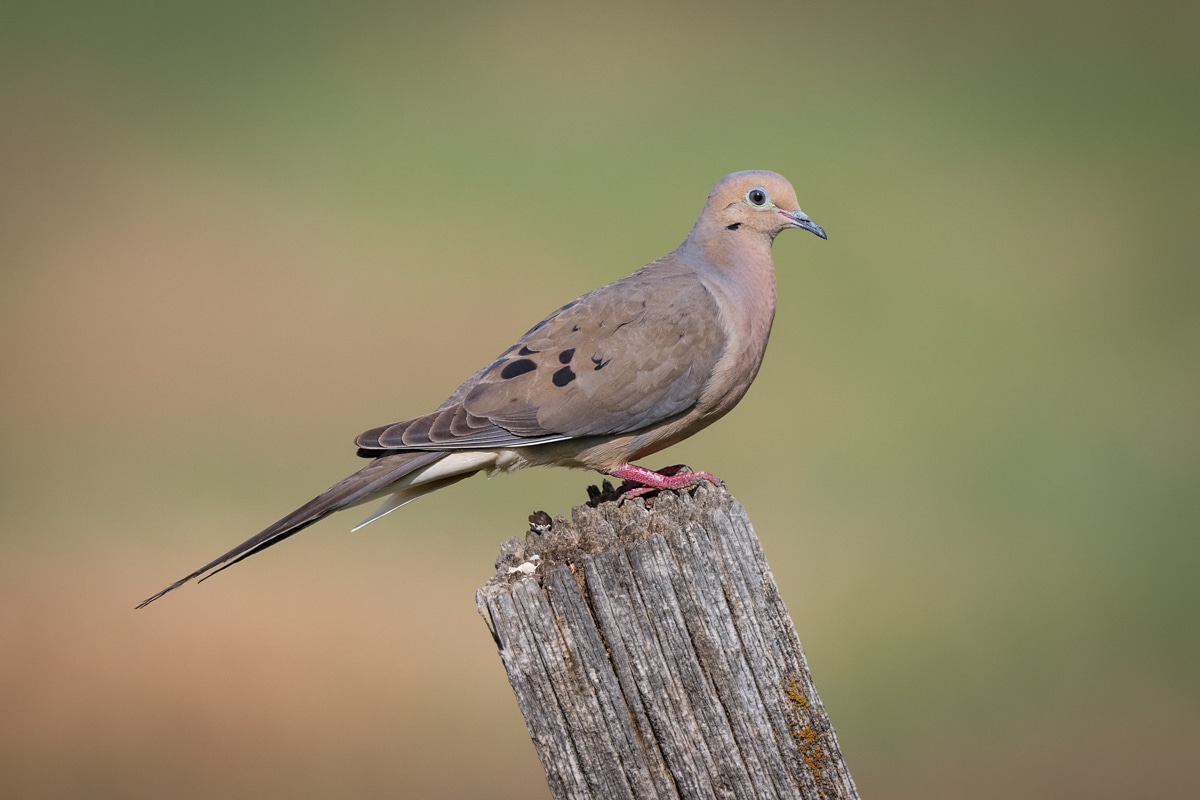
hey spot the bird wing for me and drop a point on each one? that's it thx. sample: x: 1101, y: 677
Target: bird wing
x: 616, y: 360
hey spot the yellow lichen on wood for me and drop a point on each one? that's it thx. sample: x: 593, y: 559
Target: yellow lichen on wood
x: 812, y: 752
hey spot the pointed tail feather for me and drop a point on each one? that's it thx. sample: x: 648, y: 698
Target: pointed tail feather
x: 369, y: 482
x: 451, y: 469
x: 407, y: 495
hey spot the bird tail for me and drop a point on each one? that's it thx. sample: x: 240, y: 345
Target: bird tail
x: 406, y: 475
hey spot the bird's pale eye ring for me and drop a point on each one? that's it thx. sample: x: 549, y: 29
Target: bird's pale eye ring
x: 757, y: 196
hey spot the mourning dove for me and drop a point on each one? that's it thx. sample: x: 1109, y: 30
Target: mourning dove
x: 611, y: 377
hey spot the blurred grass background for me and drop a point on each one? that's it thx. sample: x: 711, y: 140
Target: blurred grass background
x: 233, y: 236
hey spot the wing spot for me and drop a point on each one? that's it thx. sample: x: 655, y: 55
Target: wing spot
x: 525, y: 351
x: 563, y: 376
x: 600, y: 363
x: 519, y: 367
x: 565, y: 356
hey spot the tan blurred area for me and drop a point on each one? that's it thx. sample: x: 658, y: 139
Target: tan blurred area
x: 231, y: 239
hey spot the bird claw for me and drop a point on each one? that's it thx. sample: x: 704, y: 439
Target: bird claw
x: 640, y: 481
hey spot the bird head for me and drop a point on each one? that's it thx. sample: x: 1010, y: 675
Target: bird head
x: 756, y: 202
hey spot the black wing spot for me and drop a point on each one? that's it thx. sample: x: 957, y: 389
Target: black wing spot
x: 600, y: 363
x: 565, y: 356
x: 733, y: 227
x: 519, y: 367
x: 574, y: 329
x: 563, y: 376
x: 525, y: 351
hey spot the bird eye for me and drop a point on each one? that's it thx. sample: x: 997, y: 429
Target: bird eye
x: 757, y: 197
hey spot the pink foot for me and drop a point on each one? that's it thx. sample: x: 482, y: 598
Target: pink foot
x: 646, y: 480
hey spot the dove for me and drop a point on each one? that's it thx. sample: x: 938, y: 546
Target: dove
x: 613, y: 376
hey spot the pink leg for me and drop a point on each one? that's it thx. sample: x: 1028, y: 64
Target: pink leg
x: 675, y: 477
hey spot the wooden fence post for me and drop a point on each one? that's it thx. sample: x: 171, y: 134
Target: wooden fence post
x: 652, y: 656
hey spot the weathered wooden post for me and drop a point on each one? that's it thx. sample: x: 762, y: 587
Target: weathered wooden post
x: 652, y: 656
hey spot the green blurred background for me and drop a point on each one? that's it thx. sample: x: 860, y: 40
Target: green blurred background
x: 233, y: 236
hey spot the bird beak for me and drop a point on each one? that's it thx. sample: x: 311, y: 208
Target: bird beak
x: 801, y: 220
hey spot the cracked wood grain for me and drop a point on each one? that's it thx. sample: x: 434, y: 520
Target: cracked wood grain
x: 652, y: 656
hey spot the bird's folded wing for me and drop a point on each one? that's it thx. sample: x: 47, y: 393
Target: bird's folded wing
x: 620, y: 359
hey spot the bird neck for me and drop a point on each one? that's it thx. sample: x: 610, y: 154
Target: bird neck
x: 739, y: 271
x: 738, y: 262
